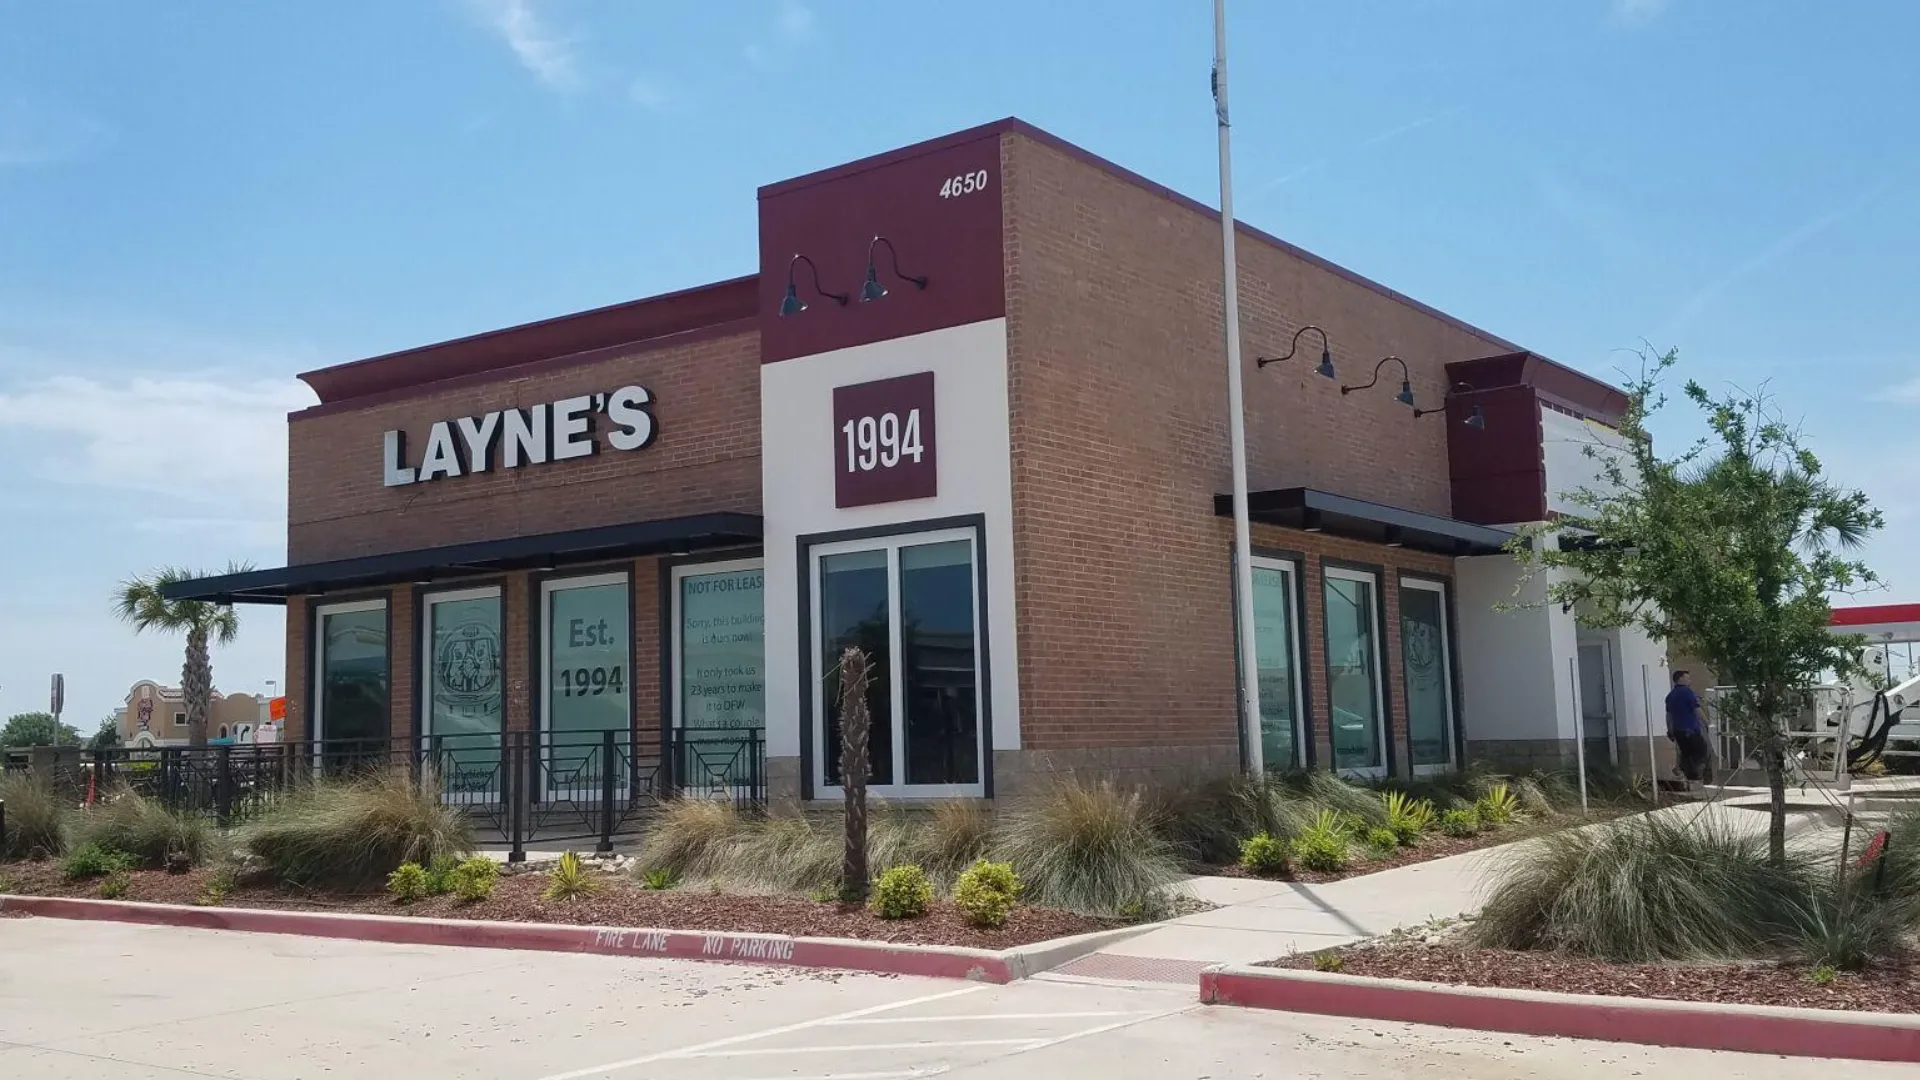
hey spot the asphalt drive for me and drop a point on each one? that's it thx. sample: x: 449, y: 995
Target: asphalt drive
x: 104, y: 1001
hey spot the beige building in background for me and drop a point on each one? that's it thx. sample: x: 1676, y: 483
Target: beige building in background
x: 156, y: 715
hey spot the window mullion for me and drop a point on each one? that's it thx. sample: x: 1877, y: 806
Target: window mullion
x: 896, y: 665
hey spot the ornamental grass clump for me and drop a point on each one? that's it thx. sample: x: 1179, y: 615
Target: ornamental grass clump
x: 146, y: 830
x: 1644, y: 890
x: 37, y: 818
x: 354, y: 833
x: 1093, y: 848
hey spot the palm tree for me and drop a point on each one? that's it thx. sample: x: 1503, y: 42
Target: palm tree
x: 140, y: 602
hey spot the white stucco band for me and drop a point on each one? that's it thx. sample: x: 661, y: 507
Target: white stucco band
x: 969, y: 366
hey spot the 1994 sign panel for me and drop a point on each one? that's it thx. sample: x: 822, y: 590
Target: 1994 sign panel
x: 883, y: 441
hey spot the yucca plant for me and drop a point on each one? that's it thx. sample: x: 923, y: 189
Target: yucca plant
x: 569, y: 879
x: 1324, y: 845
x: 1409, y: 818
x: 1497, y: 806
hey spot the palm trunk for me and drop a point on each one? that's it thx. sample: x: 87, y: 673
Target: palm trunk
x: 196, y: 685
x: 855, y: 724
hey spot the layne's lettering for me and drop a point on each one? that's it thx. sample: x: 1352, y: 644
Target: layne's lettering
x: 558, y: 431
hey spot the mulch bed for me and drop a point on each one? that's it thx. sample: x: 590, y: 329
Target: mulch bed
x: 1890, y: 986
x: 619, y: 902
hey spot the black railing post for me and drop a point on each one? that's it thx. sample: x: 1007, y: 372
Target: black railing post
x: 513, y: 776
x: 223, y: 787
x: 606, y: 792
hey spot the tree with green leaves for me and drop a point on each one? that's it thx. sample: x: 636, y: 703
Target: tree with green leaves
x: 107, y: 735
x: 1732, y: 547
x: 37, y: 729
x: 141, y: 603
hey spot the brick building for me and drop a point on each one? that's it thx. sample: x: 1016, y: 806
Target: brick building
x: 969, y: 414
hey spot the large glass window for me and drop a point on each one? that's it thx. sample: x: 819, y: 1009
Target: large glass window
x: 587, y: 624
x: 910, y: 604
x: 719, y: 657
x: 350, y: 698
x: 463, y: 707
x: 1276, y: 651
x: 1427, y: 664
x: 1353, y: 671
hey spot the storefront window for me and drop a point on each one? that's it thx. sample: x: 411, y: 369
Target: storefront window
x: 1428, y: 667
x: 351, y: 716
x: 719, y: 671
x: 1353, y: 671
x: 1275, y: 654
x: 910, y: 604
x: 464, y: 708
x: 588, y: 684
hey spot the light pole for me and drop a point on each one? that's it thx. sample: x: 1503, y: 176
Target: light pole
x: 1236, y: 419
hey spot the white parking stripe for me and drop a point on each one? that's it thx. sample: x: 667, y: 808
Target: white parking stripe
x: 981, y: 1016
x: 768, y: 1051
x: 688, y: 1051
x: 908, y: 1074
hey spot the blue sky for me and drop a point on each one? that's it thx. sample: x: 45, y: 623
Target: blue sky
x: 197, y: 201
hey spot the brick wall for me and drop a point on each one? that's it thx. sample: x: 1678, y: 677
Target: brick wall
x: 1119, y: 433
x: 706, y: 458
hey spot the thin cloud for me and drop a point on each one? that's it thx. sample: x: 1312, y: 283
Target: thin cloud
x: 1367, y: 143
x: 651, y: 94
x: 1637, y: 12
x: 539, y: 49
x: 196, y: 440
x: 34, y: 135
x: 1905, y: 393
x: 1786, y: 245
x: 794, y: 24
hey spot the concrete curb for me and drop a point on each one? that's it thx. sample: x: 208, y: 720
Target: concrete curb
x: 1752, y: 1029
x: 940, y: 962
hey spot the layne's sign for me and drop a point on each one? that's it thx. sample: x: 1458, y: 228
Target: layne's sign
x: 557, y: 431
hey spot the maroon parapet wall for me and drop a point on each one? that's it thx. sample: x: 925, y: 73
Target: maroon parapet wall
x: 772, y: 949
x: 1749, y: 1029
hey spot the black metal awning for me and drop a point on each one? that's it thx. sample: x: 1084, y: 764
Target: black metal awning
x: 700, y: 532
x: 1358, y: 519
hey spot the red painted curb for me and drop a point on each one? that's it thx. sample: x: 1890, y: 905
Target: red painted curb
x: 774, y: 949
x: 1751, y: 1029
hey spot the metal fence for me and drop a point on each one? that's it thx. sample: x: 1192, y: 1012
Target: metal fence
x: 520, y: 788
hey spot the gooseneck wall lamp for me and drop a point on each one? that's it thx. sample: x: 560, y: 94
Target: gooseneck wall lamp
x: 792, y: 304
x: 1326, y: 352
x: 873, y: 290
x: 1404, y: 397
x: 1476, y: 419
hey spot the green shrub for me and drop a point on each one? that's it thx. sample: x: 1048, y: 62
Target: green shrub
x: 1382, y: 841
x: 902, y: 892
x: 825, y: 894
x: 95, y: 860
x: 440, y: 874
x: 1497, y: 806
x: 1460, y: 823
x: 1409, y: 818
x: 409, y: 882
x: 218, y: 887
x: 1823, y: 975
x: 1838, y: 928
x: 1643, y: 890
x: 37, y: 818
x: 688, y: 837
x: 659, y: 879
x: 116, y: 886
x: 1323, y: 846
x: 354, y: 833
x: 986, y: 893
x: 569, y: 879
x: 1329, y: 961
x: 474, y: 878
x: 1091, y: 848
x: 144, y: 829
x: 1264, y: 854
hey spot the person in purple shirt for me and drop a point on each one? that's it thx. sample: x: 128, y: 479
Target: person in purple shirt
x: 1687, y: 728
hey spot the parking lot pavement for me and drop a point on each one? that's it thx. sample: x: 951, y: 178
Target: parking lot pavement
x: 114, y: 1002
